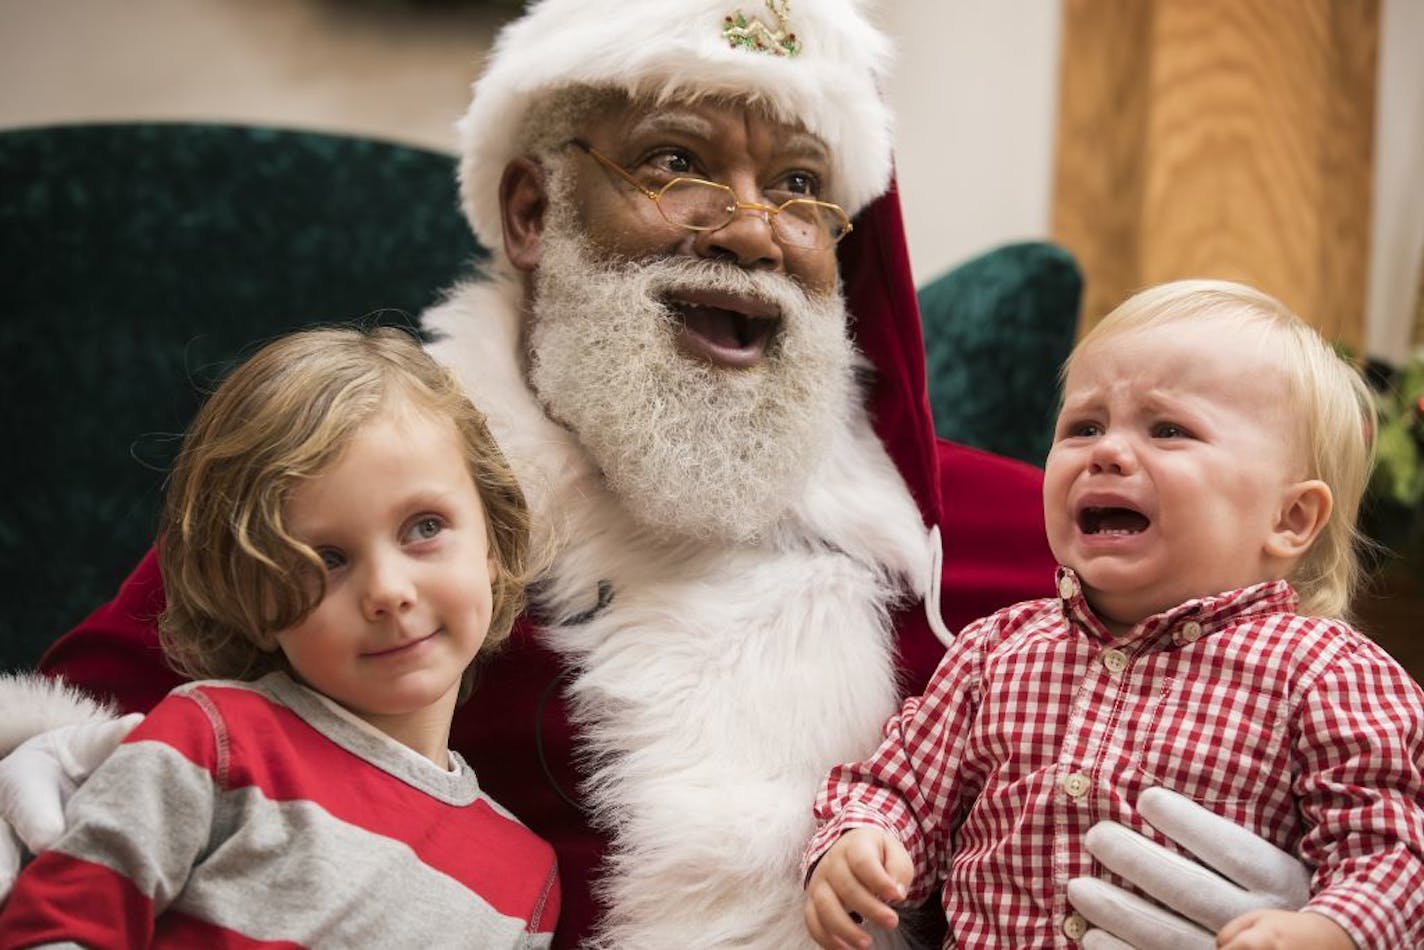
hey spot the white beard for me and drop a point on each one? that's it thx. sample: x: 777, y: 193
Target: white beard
x: 723, y: 679
x: 691, y: 448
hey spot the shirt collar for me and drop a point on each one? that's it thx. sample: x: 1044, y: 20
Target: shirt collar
x: 1186, y: 622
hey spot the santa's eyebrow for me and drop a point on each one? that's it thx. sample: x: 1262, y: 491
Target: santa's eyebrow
x: 685, y: 122
x: 804, y: 143
x: 798, y: 141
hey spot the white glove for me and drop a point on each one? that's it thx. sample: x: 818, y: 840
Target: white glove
x: 1264, y: 876
x: 37, y: 779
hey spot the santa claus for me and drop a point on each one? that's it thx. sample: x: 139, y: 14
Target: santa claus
x: 698, y: 344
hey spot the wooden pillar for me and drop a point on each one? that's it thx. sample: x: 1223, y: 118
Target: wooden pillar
x: 1220, y: 138
x: 1417, y: 337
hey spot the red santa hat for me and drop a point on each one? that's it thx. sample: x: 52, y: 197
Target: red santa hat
x: 819, y: 63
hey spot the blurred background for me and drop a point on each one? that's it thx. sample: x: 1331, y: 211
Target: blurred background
x: 1079, y: 120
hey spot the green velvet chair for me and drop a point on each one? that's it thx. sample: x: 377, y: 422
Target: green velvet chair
x: 139, y: 261
x: 997, y: 329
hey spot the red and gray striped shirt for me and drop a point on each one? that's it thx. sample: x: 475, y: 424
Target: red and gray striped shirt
x: 1038, y: 724
x: 257, y: 815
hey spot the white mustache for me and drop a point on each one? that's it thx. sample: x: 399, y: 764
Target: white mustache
x: 663, y: 275
x: 655, y: 277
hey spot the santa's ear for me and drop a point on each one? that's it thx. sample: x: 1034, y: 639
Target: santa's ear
x: 1305, y: 509
x: 522, y: 200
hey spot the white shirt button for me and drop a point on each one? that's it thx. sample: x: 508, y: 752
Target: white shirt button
x: 1067, y: 587
x: 1074, y: 926
x: 1076, y: 784
x: 1115, y: 661
x: 1191, y: 631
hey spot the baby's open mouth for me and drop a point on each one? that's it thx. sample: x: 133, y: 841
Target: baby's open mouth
x: 1112, y: 521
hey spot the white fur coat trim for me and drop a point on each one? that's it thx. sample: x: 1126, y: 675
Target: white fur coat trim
x: 721, y: 682
x: 34, y: 704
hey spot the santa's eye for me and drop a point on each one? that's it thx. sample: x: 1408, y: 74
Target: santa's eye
x: 799, y: 184
x: 674, y: 162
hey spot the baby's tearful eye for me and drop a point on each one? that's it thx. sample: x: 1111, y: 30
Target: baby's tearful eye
x: 330, y: 559
x: 1169, y: 430
x: 427, y: 528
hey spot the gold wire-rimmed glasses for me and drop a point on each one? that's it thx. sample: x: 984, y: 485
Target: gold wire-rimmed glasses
x: 701, y: 205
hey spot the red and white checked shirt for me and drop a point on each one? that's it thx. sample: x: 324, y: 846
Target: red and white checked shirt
x: 1038, y: 724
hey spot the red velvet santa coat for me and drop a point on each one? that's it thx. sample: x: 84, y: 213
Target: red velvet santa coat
x: 516, y: 730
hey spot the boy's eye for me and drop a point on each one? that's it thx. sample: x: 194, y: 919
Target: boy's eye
x: 423, y: 529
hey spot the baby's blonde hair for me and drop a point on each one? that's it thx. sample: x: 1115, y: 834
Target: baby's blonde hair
x: 1336, y: 419
x: 232, y: 573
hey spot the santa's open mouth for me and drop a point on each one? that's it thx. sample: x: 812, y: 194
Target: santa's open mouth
x: 725, y: 329
x: 1112, y: 521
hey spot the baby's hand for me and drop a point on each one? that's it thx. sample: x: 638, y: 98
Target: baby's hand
x: 1283, y: 930
x: 855, y: 880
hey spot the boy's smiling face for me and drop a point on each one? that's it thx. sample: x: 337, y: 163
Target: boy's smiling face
x: 1176, y: 469
x: 397, y: 519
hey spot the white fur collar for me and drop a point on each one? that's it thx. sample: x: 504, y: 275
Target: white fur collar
x: 720, y: 683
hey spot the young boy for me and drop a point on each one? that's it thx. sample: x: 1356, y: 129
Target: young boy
x: 1201, y: 492
x: 341, y: 538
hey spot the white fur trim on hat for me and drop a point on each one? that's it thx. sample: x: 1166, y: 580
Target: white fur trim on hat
x: 660, y: 49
